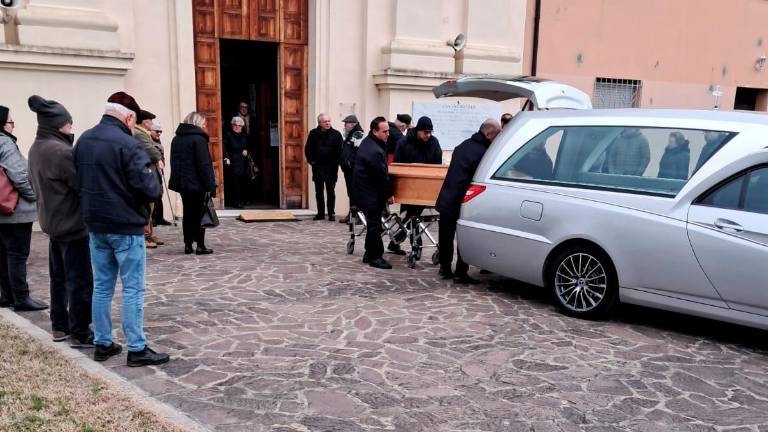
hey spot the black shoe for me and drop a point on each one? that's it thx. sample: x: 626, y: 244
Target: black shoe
x: 395, y: 249
x: 5, y: 303
x: 319, y: 217
x: 331, y: 218
x: 103, y: 352
x: 485, y: 272
x: 202, y: 250
x: 445, y: 274
x: 29, y: 305
x: 366, y: 260
x: 162, y: 222
x: 380, y: 263
x: 465, y: 280
x: 81, y: 341
x: 188, y: 249
x: 146, y: 357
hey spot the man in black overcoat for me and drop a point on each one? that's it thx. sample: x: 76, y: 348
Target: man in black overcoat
x: 323, y: 152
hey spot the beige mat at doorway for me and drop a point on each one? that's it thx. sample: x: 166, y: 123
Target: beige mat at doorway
x: 267, y: 216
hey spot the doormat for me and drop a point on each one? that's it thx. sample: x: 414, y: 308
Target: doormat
x: 267, y: 216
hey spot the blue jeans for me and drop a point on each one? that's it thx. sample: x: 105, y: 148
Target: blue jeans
x: 124, y: 254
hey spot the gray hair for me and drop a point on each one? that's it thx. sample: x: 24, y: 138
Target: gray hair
x: 195, y: 118
x: 238, y: 121
x: 115, y: 108
x: 321, y: 115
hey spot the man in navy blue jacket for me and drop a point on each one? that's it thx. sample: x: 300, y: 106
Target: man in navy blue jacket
x: 116, y: 183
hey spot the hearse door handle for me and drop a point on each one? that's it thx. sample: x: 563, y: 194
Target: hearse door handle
x: 727, y: 225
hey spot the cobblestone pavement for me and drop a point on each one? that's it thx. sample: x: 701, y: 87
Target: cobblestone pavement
x: 280, y: 330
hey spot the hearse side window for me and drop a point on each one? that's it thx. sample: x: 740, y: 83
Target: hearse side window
x: 656, y: 161
x: 747, y: 192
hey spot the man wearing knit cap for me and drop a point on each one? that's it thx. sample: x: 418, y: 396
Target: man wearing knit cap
x: 144, y: 135
x: 53, y: 175
x: 116, y: 184
x: 417, y: 146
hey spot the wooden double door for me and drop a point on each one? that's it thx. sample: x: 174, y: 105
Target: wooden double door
x: 283, y: 22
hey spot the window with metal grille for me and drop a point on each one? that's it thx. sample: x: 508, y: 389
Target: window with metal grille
x: 616, y: 93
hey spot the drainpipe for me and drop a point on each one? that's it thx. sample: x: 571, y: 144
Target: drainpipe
x: 535, y: 49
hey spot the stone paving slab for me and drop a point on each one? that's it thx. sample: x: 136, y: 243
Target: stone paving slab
x: 281, y: 330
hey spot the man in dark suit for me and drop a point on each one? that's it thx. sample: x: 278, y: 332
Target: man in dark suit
x: 372, y: 190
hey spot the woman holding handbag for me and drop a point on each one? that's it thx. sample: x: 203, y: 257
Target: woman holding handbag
x: 193, y: 178
x: 16, y: 226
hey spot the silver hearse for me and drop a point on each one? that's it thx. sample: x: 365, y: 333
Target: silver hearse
x: 662, y: 208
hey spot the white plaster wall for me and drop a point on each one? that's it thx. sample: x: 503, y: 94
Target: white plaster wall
x: 353, y: 40
x: 82, y: 94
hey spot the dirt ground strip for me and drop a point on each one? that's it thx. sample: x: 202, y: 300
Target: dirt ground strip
x: 281, y: 330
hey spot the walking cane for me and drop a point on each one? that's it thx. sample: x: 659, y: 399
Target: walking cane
x: 168, y: 194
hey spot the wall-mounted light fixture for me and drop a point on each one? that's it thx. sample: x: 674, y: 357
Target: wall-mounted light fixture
x: 760, y: 63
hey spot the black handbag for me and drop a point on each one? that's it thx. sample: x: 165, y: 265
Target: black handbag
x: 209, y: 219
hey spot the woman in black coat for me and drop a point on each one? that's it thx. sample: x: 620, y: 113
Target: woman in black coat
x: 236, y: 159
x: 192, y: 176
x: 675, y: 162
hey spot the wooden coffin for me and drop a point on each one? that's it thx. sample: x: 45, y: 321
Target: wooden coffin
x: 417, y: 184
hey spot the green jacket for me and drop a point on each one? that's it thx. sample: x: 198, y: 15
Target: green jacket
x: 142, y: 135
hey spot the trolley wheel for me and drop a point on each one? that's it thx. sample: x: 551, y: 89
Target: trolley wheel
x: 412, y: 260
x: 350, y: 247
x: 436, y: 257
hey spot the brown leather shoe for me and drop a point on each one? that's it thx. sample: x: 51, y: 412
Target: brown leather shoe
x: 149, y: 244
x: 157, y: 241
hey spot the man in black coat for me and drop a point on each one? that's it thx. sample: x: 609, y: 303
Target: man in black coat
x: 417, y: 146
x: 372, y: 190
x: 323, y: 151
x: 464, y: 163
x: 353, y: 137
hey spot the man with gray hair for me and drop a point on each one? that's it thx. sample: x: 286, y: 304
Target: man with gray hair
x: 464, y: 162
x: 116, y: 184
x: 323, y: 153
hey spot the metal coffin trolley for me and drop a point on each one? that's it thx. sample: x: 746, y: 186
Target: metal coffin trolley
x: 414, y: 185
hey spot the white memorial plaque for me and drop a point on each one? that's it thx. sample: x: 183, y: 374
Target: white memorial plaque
x: 455, y: 122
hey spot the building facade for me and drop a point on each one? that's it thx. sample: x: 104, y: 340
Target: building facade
x: 700, y: 54
x: 289, y: 59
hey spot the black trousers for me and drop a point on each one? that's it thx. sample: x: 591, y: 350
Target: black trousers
x: 374, y: 246
x: 237, y: 188
x: 15, y: 239
x: 330, y: 190
x: 348, y: 183
x: 193, y: 212
x: 158, y: 216
x: 446, y: 234
x: 69, y: 263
